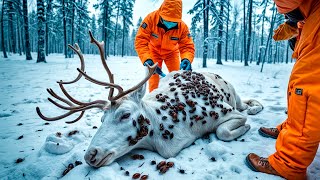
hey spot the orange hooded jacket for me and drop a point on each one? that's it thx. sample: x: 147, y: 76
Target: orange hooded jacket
x: 153, y: 39
x: 299, y: 135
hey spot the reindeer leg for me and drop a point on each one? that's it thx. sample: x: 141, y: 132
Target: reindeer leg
x: 240, y: 106
x: 232, y: 129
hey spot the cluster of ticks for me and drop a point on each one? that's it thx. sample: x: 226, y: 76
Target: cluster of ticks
x: 141, y: 132
x: 162, y: 167
x: 193, y: 87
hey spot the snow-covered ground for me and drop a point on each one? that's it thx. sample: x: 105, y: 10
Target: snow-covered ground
x: 23, y: 134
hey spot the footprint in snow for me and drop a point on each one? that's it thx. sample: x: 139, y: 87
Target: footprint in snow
x: 277, y: 108
x: 3, y: 115
x: 269, y: 99
x: 235, y: 169
x: 258, y: 91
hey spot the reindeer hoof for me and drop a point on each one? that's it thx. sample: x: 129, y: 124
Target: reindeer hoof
x: 254, y: 110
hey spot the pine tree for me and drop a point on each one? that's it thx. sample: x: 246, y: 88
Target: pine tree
x: 245, y: 35
x: 117, y: 5
x: 41, y: 31
x: 26, y: 30
x: 64, y: 27
x: 12, y: 40
x: 18, y: 22
x: 126, y: 13
x: 3, y: 47
x: 48, y: 16
x: 227, y: 33
x: 272, y: 22
x: 219, y: 21
x: 263, y: 17
x: 249, y: 32
x: 234, y: 27
x: 200, y: 11
x: 214, y: 11
x: 106, y: 7
x: 93, y: 27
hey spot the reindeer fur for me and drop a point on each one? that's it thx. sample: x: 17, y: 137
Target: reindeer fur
x: 113, y: 137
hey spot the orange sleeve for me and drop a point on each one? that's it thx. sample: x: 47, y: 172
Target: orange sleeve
x: 143, y: 39
x: 186, y: 45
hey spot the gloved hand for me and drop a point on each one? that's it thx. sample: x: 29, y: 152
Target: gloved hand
x: 285, y: 31
x: 185, y: 65
x: 151, y: 63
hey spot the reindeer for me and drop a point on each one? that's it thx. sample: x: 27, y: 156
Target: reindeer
x: 186, y: 106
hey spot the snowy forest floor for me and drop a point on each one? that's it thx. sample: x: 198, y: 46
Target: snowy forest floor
x: 23, y: 87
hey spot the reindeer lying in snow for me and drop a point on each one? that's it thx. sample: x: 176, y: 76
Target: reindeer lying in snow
x: 186, y: 106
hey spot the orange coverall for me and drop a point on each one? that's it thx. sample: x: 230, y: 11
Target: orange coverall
x: 154, y: 42
x: 299, y: 137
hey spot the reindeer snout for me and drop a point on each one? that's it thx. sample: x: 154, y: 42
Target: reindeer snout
x: 90, y: 156
x: 96, y: 157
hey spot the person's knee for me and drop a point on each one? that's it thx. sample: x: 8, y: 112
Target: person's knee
x: 173, y: 63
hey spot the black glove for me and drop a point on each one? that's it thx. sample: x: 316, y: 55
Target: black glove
x: 294, y: 16
x: 151, y: 63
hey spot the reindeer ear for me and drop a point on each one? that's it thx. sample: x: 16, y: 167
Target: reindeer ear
x: 139, y: 93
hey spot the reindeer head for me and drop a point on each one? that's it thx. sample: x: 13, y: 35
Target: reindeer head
x: 123, y: 123
x: 123, y: 127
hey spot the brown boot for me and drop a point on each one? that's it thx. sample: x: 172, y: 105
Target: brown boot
x: 260, y: 164
x: 269, y: 132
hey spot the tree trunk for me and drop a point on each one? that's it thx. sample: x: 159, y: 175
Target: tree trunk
x: 64, y: 28
x: 48, y: 16
x: 19, y: 34
x: 249, y: 31
x: 41, y: 31
x: 116, y: 29
x: 227, y: 34
x: 219, y: 46
x: 11, y: 29
x: 241, y: 44
x: 245, y: 35
x: 270, y: 35
x: 2, y: 33
x: 262, y: 34
x: 72, y: 25
x: 233, y: 46
x: 123, y: 34
x: 106, y: 30
x: 205, y: 33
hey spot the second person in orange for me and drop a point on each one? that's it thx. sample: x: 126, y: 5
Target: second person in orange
x: 164, y: 37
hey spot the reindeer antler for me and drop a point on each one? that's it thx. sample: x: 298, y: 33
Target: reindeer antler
x: 112, y: 85
x: 74, y: 105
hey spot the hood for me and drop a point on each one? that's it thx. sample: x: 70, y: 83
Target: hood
x: 171, y: 10
x: 305, y: 6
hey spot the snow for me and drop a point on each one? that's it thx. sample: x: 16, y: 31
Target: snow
x: 23, y: 87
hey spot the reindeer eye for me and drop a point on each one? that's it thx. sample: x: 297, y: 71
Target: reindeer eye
x: 125, y: 116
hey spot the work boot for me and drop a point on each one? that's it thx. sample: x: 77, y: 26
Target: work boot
x: 269, y: 132
x: 260, y: 164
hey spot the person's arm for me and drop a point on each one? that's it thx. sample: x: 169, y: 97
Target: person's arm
x: 186, y: 45
x: 143, y: 39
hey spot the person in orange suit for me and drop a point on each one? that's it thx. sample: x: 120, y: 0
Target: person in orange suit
x: 298, y: 137
x: 163, y: 36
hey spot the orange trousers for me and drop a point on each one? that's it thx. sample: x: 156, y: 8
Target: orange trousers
x: 299, y: 137
x: 172, y: 62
